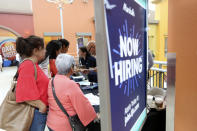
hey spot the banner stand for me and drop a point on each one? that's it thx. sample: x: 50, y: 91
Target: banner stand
x: 121, y: 48
x: 103, y: 72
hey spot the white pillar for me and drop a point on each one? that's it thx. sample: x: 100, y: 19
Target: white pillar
x: 61, y: 20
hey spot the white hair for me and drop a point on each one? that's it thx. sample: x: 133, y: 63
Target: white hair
x: 63, y: 63
x: 92, y: 41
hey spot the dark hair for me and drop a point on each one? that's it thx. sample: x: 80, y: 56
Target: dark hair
x: 25, y: 46
x: 64, y: 42
x: 52, y: 47
x: 84, y: 50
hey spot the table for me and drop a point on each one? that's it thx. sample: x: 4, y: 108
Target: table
x: 93, y: 126
x: 94, y: 91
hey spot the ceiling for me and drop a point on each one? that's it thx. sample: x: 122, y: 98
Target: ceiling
x: 16, y: 6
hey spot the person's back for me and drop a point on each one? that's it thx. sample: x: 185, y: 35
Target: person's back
x: 44, y: 65
x: 32, y: 84
x: 73, y: 100
x: 53, y: 49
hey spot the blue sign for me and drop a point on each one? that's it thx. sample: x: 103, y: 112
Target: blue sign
x: 127, y: 38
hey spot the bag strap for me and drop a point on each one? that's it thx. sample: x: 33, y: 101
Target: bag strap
x: 57, y: 100
x: 16, y: 75
x: 35, y: 69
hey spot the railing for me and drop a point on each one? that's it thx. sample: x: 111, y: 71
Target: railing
x: 157, y: 75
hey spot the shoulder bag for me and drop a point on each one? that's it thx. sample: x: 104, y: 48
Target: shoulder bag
x: 16, y: 116
x: 75, y: 122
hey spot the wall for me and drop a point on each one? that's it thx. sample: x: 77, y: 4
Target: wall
x: 162, y: 30
x: 6, y: 33
x: 158, y: 32
x: 152, y: 35
x: 77, y: 17
x: 22, y: 24
x: 182, y: 40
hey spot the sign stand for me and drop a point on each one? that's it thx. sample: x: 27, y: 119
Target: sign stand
x: 121, y: 39
x: 102, y: 55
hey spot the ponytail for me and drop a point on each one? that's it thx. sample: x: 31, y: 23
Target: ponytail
x: 21, y: 46
x: 25, y: 46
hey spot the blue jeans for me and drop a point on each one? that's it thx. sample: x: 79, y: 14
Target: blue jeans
x: 39, y: 121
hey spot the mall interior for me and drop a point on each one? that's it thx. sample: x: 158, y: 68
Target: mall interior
x: 170, y: 39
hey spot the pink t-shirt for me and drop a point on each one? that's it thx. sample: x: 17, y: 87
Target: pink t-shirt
x: 73, y: 100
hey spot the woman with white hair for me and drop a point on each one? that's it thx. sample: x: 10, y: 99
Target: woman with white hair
x: 70, y: 96
x: 91, y: 47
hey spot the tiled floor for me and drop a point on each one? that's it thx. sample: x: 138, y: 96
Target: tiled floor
x: 5, y: 82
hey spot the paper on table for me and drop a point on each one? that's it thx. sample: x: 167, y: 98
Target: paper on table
x: 93, y: 99
x: 77, y: 77
x: 84, y: 83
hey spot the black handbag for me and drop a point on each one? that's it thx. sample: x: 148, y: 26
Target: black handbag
x: 75, y: 122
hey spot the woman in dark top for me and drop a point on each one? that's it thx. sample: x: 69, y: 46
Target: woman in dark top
x: 86, y: 59
x: 89, y: 62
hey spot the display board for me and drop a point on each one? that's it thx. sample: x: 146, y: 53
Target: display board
x: 126, y: 42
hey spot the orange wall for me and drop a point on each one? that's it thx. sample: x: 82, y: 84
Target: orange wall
x: 77, y: 17
x: 183, y: 41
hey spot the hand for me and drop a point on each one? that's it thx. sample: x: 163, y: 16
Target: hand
x: 43, y: 109
x: 38, y: 104
x: 85, y: 71
x: 77, y: 70
x: 97, y: 119
x: 98, y: 115
x: 93, y: 69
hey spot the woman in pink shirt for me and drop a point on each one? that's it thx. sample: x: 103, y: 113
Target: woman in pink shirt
x: 70, y: 96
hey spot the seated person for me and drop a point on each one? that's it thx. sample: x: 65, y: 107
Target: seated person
x: 85, y: 59
x: 89, y: 62
x: 91, y: 47
x: 70, y: 96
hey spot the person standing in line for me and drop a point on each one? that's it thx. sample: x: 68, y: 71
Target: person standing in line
x: 44, y: 65
x: 70, y: 96
x: 17, y: 59
x: 53, y: 49
x: 65, y: 45
x: 28, y: 89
